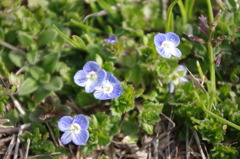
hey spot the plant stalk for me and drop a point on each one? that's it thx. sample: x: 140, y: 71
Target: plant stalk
x: 210, y: 51
x: 222, y: 119
x: 169, y: 15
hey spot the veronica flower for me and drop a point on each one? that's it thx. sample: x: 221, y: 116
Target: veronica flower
x: 166, y: 44
x: 110, y: 88
x: 178, y: 77
x: 111, y: 39
x: 75, y: 130
x: 90, y: 76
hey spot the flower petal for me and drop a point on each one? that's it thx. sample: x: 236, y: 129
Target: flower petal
x: 82, y: 121
x: 174, y: 38
x: 181, y: 68
x: 171, y: 87
x: 117, y: 91
x: 81, y: 138
x: 80, y: 78
x: 64, y: 123
x: 112, y: 79
x: 66, y: 137
x: 91, y: 66
x: 159, y: 38
x: 90, y: 85
x: 183, y: 80
x: 98, y: 94
x: 112, y: 39
x: 176, y: 52
x: 101, y: 75
x: 163, y: 52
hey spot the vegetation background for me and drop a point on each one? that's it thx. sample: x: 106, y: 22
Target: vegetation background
x: 45, y: 42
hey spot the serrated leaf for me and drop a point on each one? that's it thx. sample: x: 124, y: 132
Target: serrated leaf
x: 108, y: 66
x: 148, y: 128
x: 125, y: 102
x: 28, y: 86
x: 54, y: 84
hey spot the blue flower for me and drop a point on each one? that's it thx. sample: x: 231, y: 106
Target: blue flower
x: 111, y: 39
x: 166, y: 44
x: 90, y: 76
x: 75, y: 130
x: 178, y: 77
x: 110, y: 88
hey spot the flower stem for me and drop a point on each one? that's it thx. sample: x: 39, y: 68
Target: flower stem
x: 183, y: 12
x: 222, y: 119
x: 169, y: 15
x: 210, y: 11
x: 190, y: 9
x: 210, y: 50
x: 212, y: 68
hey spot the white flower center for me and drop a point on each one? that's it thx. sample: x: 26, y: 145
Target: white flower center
x: 167, y: 45
x: 75, y: 128
x: 107, y: 88
x: 92, y: 76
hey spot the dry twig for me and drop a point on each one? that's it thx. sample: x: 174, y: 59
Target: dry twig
x: 27, y: 149
x: 10, y: 147
x: 199, y: 144
x: 11, y: 47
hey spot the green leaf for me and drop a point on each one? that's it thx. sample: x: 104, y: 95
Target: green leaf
x: 224, y: 151
x: 55, y: 84
x: 210, y: 130
x: 28, y: 86
x: 150, y: 113
x: 16, y: 58
x: 84, y: 99
x: 105, y: 6
x: 15, y: 80
x: 135, y: 75
x: 36, y: 72
x: 79, y: 42
x: 39, y: 95
x: 46, y: 37
x: 108, y: 66
x: 148, y: 128
x: 50, y: 62
x: 13, y: 116
x: 99, y: 59
x: 45, y: 78
x: 130, y: 128
x: 75, y: 43
x: 25, y: 39
x: 32, y: 57
x: 125, y: 102
x: 1, y: 38
x: 85, y: 27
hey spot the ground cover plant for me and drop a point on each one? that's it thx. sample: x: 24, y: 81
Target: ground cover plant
x: 119, y: 79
